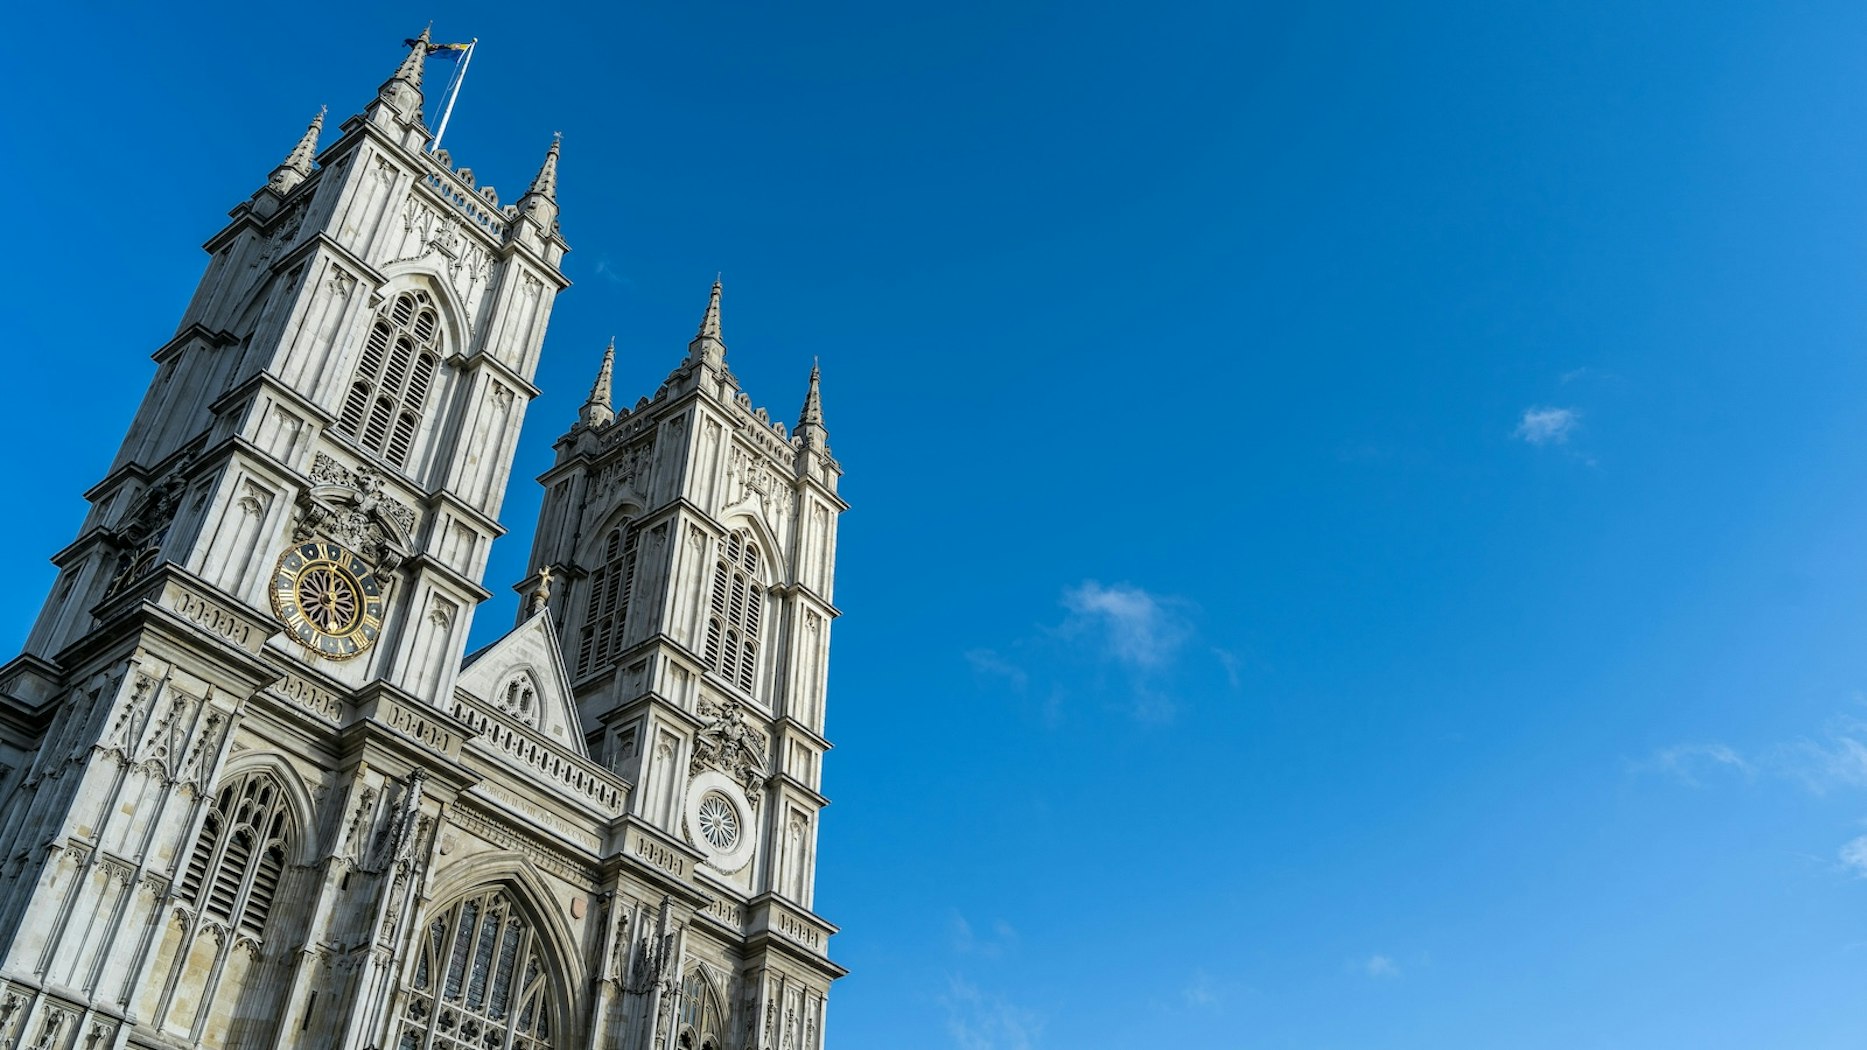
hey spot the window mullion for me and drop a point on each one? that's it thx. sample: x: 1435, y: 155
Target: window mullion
x: 515, y: 1004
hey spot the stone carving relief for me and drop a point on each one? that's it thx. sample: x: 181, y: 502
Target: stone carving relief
x: 366, y: 805
x: 728, y: 744
x: 626, y: 472
x: 11, y: 1009
x: 397, y: 845
x: 429, y: 234
x: 619, y: 954
x: 749, y: 478
x: 140, y: 534
x: 654, y: 954
x: 283, y: 234
x: 350, y: 507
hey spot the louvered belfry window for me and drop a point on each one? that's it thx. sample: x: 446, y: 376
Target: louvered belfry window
x: 478, y: 981
x: 383, y: 407
x: 606, y: 611
x: 735, y: 610
x: 234, y: 872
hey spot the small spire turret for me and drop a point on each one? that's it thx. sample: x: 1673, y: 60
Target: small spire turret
x: 400, y: 95
x: 540, y: 202
x: 545, y: 184
x: 597, y: 409
x: 707, y: 342
x: 296, y: 167
x: 810, y: 419
x: 409, y: 72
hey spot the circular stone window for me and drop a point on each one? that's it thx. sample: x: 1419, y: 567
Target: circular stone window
x: 719, y: 821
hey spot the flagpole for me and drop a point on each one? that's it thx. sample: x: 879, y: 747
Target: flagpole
x: 460, y: 76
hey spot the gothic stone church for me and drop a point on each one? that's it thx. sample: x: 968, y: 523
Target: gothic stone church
x: 253, y: 790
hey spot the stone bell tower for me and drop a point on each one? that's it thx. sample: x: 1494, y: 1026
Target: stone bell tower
x: 692, y: 543
x: 225, y: 748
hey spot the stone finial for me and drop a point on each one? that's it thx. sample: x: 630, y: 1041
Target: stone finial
x: 297, y: 165
x: 597, y: 410
x: 540, y: 597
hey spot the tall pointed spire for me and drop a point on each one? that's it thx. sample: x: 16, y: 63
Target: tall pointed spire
x: 401, y: 93
x: 597, y: 410
x: 810, y: 420
x: 297, y: 165
x: 707, y: 342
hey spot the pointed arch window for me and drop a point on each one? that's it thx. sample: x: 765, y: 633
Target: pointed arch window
x: 702, y: 1021
x: 606, y: 610
x: 478, y: 981
x: 735, y: 610
x: 238, y: 861
x: 382, y: 409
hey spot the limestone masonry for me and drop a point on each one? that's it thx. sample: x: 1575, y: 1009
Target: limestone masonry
x: 254, y: 793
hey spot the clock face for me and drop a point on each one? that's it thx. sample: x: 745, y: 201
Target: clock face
x: 328, y: 599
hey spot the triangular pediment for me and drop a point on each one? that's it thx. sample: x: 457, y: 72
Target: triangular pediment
x: 522, y: 676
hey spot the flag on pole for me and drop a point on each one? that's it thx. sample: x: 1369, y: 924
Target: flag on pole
x: 433, y: 47
x: 465, y: 54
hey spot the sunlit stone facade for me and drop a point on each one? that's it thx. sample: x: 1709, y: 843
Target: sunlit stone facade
x: 253, y: 791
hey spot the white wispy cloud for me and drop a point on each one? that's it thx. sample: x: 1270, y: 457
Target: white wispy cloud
x: 1200, y: 991
x: 1689, y: 763
x: 1000, y: 937
x: 1854, y: 856
x: 1380, y: 967
x: 989, y: 663
x: 1135, y: 627
x: 1115, y: 640
x: 1838, y: 759
x: 980, y: 1020
x: 1232, y: 664
x: 608, y: 271
x: 1834, y: 760
x: 1547, y: 426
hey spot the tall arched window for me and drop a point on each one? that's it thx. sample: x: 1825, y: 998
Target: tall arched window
x: 702, y: 1021
x: 383, y: 408
x: 478, y: 981
x: 607, y: 608
x: 234, y: 872
x: 734, y: 612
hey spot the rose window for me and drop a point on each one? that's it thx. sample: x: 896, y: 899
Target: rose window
x: 719, y: 821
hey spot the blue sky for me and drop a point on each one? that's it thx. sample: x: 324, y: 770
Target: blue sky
x: 1358, y: 534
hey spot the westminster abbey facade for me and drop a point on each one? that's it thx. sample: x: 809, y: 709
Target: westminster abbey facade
x: 253, y: 790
